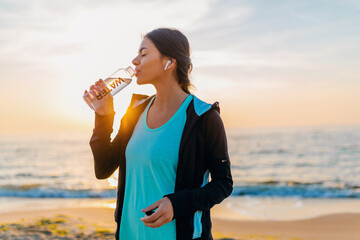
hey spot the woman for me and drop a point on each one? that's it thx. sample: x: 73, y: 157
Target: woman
x: 165, y: 148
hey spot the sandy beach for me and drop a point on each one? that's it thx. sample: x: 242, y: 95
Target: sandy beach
x: 98, y: 223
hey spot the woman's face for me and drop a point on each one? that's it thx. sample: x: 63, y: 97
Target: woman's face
x: 148, y: 62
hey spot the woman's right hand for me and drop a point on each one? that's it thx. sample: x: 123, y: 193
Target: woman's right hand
x: 106, y: 103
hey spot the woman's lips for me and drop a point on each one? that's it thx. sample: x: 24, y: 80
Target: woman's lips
x: 136, y: 72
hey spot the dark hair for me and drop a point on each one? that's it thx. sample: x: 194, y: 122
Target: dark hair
x: 173, y: 44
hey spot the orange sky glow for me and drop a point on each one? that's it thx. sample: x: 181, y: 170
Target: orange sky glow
x: 296, y: 65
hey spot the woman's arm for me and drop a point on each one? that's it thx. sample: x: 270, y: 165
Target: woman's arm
x: 106, y: 152
x: 221, y: 185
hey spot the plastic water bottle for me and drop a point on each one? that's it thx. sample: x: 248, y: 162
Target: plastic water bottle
x: 113, y: 84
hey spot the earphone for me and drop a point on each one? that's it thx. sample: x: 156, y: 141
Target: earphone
x: 167, y: 64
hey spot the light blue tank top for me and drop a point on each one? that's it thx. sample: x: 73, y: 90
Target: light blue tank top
x: 151, y: 164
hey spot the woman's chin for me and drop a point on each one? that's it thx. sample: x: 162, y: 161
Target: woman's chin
x: 141, y: 82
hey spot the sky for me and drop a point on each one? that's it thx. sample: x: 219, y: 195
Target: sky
x: 268, y: 63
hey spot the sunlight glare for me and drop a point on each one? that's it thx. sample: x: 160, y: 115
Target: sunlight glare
x: 113, y: 180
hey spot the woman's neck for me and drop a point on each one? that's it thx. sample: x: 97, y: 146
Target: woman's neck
x: 168, y: 96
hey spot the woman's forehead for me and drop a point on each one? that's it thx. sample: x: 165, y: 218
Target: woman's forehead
x: 146, y: 44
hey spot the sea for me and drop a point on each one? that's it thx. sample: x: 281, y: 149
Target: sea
x: 312, y: 162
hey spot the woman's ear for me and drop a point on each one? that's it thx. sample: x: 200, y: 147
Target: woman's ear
x: 167, y: 64
x: 170, y: 61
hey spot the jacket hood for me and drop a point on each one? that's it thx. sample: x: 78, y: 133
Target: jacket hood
x: 200, y: 106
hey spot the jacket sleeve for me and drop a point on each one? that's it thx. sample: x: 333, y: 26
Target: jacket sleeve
x: 188, y: 201
x: 106, y: 152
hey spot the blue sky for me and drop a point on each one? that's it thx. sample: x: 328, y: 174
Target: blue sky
x: 268, y: 63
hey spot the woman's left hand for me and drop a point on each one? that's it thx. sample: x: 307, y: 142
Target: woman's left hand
x: 161, y: 216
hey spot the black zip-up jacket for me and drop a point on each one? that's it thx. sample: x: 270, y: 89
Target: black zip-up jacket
x: 203, y: 150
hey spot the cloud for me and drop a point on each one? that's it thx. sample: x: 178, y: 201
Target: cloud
x: 29, y: 25
x: 237, y: 46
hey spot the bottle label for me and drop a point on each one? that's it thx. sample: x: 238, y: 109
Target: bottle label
x: 102, y: 94
x: 115, y: 83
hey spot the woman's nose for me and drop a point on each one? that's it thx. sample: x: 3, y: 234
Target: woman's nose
x: 135, y: 61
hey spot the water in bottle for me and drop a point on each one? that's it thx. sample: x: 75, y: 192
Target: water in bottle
x: 113, y: 84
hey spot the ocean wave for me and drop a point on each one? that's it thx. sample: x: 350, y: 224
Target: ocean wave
x: 264, y: 189
x: 38, y: 191
x: 269, y: 151
x: 288, y: 182
x: 297, y: 190
x: 33, y: 176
